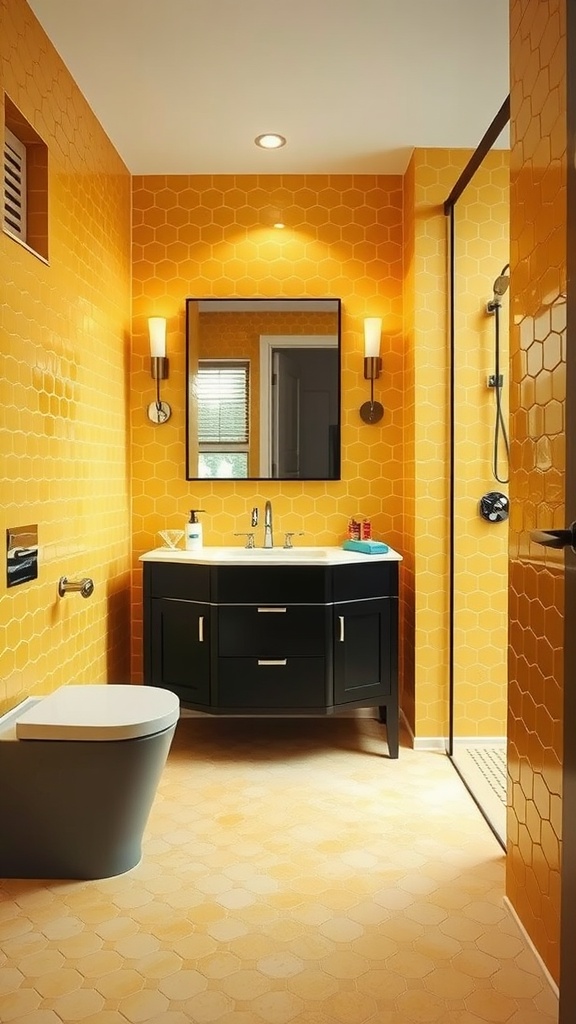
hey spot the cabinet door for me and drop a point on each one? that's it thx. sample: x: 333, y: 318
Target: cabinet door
x: 180, y: 654
x: 362, y: 660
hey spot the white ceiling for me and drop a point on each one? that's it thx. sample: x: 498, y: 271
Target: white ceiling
x: 184, y: 86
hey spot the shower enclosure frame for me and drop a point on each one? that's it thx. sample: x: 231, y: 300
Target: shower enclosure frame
x: 492, y: 133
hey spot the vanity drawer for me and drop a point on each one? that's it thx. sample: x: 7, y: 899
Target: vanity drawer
x: 271, y: 631
x: 357, y: 581
x: 295, y: 683
x: 167, y: 579
x: 273, y: 584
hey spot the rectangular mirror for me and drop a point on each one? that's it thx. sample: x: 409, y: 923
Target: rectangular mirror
x: 263, y: 389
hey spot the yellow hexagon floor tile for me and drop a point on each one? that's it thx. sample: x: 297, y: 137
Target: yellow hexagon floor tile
x: 289, y: 874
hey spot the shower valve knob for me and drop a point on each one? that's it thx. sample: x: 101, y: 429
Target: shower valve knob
x: 494, y: 507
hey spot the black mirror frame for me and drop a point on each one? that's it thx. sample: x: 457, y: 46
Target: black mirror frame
x: 266, y: 299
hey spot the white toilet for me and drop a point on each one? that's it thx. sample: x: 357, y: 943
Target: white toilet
x: 79, y: 771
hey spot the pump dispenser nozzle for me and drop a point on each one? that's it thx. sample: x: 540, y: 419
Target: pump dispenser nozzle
x: 194, y: 531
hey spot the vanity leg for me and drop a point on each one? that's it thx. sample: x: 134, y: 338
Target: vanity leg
x: 390, y: 717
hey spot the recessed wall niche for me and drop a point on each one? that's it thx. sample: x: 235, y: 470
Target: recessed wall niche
x: 25, y: 199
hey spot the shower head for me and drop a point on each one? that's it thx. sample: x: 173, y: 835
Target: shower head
x: 502, y: 282
x: 500, y: 286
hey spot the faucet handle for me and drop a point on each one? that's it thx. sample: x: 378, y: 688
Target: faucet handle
x: 254, y: 517
x: 249, y: 539
x: 288, y: 538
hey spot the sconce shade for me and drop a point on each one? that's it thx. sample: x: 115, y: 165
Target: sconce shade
x: 157, y: 332
x: 372, y: 332
x: 372, y: 412
x: 158, y: 411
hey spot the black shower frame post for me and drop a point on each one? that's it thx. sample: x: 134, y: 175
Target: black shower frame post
x: 452, y: 484
x: 568, y: 877
x: 484, y: 146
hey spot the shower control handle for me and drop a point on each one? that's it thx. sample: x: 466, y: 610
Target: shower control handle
x: 556, y: 538
x: 494, y: 507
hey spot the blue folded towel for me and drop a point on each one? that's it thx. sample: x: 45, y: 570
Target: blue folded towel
x: 367, y: 547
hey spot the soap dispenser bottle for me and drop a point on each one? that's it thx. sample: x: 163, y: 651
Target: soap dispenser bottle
x: 194, y: 531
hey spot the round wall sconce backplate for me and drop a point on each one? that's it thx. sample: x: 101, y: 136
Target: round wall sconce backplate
x: 371, y: 412
x: 159, y: 412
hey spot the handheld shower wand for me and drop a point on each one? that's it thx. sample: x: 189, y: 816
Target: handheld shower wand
x: 499, y: 288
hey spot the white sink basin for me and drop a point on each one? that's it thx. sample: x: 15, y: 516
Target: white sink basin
x: 248, y: 555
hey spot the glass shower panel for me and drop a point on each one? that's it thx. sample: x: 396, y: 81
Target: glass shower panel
x: 480, y: 557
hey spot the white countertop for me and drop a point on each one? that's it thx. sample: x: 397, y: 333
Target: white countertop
x: 301, y: 555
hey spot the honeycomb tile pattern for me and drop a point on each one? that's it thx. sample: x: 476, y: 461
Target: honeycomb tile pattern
x: 213, y: 235
x: 480, y: 624
x: 291, y: 873
x: 537, y: 399
x: 62, y: 386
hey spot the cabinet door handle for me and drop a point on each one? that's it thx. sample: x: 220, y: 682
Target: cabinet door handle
x: 272, y: 661
x: 271, y: 609
x: 201, y: 629
x: 341, y: 621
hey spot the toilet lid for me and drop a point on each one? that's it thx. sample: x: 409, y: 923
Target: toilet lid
x: 110, y: 712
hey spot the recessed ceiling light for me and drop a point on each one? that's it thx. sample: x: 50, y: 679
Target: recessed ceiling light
x: 270, y: 141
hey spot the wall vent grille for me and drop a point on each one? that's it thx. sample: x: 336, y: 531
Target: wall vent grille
x: 14, y: 196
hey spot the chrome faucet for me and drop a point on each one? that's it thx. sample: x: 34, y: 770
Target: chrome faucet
x: 268, y: 534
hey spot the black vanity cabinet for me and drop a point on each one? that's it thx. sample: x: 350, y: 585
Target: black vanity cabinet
x: 298, y: 639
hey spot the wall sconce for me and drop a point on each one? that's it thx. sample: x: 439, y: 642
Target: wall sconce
x: 372, y: 412
x: 158, y: 411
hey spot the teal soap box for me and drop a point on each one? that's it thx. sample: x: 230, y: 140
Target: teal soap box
x: 367, y: 547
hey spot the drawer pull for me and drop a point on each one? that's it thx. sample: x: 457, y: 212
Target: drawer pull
x: 273, y: 661
x: 341, y: 637
x: 271, y: 609
x: 201, y: 629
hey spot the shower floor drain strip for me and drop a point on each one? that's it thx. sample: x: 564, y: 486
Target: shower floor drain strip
x: 484, y: 772
x: 491, y: 762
